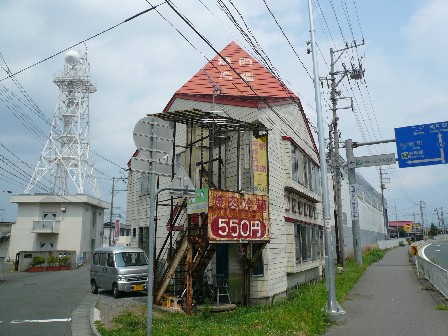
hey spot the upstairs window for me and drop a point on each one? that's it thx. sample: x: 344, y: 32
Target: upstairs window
x: 51, y: 216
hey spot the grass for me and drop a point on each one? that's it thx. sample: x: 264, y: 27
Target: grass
x: 300, y: 314
x: 442, y: 306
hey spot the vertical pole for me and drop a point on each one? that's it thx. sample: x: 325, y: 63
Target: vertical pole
x: 111, y: 211
x: 152, y: 200
x: 382, y: 203
x: 238, y: 161
x: 421, y: 218
x: 354, y: 203
x: 150, y: 282
x: 337, y: 168
x: 211, y: 134
x: 442, y: 220
x: 333, y: 308
x: 396, y: 218
x: 189, y: 280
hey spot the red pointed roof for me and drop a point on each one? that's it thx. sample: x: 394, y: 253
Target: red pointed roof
x: 227, y: 77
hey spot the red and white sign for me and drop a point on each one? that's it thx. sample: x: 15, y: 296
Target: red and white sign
x: 237, y: 217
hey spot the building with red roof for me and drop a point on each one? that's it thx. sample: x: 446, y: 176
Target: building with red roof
x: 233, y: 85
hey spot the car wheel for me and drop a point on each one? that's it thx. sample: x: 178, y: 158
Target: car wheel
x: 93, y: 287
x: 115, y: 291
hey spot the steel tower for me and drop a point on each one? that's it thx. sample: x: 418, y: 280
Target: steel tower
x: 66, y: 153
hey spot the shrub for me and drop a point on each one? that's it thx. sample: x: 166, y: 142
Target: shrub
x: 37, y: 261
x: 401, y: 243
x: 64, y: 260
x: 52, y: 260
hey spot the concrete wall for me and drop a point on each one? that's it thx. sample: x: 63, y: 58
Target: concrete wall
x: 25, y: 258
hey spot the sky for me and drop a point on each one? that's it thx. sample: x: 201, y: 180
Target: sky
x: 138, y: 65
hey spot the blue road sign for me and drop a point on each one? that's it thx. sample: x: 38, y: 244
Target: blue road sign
x: 422, y: 145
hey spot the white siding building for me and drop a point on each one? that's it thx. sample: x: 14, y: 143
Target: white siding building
x: 237, y: 86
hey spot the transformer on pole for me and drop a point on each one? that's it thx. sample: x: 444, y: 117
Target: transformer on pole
x: 66, y: 154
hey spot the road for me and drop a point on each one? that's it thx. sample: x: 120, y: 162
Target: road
x: 36, y: 304
x: 437, y: 252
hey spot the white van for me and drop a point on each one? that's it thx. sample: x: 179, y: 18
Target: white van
x: 118, y: 268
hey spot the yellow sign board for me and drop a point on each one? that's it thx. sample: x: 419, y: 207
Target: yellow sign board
x: 407, y: 227
x: 414, y: 250
x: 260, y: 164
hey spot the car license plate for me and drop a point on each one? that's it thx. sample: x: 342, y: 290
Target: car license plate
x: 138, y: 288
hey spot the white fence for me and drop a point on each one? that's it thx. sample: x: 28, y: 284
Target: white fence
x: 435, y: 274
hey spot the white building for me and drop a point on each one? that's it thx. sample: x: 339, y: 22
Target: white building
x: 236, y: 86
x: 50, y: 222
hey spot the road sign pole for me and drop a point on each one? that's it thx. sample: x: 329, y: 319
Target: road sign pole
x: 357, y: 249
x: 152, y: 207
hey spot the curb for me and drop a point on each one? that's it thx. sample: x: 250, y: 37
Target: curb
x: 92, y: 318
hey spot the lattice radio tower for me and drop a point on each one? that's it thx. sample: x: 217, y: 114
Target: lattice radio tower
x: 66, y: 153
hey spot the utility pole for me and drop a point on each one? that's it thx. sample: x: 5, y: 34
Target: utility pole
x: 354, y: 74
x: 396, y: 218
x: 334, y: 310
x: 357, y: 249
x: 421, y: 216
x: 442, y: 220
x: 111, y: 211
x: 383, y: 186
x: 114, y: 192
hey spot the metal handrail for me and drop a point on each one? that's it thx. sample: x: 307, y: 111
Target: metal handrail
x: 435, y: 274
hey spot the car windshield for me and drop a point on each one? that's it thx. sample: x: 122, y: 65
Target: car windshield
x: 126, y: 259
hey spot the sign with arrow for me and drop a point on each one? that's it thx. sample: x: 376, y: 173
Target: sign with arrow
x: 422, y: 145
x: 373, y: 160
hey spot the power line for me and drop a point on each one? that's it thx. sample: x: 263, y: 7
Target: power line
x: 83, y: 41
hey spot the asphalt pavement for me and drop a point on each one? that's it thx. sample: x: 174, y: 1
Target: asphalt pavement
x: 389, y: 299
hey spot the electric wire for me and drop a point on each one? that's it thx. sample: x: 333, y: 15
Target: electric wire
x: 83, y: 41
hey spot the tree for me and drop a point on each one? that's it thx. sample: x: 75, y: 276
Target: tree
x: 433, y: 230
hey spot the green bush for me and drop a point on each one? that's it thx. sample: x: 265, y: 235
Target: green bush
x: 37, y: 261
x: 64, y: 260
x: 401, y: 243
x: 52, y: 260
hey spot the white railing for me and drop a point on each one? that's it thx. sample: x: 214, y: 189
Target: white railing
x: 434, y: 273
x: 45, y: 226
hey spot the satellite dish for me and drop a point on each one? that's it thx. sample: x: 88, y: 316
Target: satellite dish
x: 72, y: 57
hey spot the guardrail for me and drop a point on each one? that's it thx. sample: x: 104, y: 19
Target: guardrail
x: 434, y: 273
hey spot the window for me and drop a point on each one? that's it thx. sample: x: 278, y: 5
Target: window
x: 96, y: 258
x: 305, y: 232
x: 134, y: 232
x: 49, y: 216
x: 298, y: 243
x: 305, y: 171
x: 110, y: 260
x: 294, y: 204
x: 125, y: 259
x: 294, y: 163
x: 300, y: 207
x: 286, y: 202
x: 315, y: 243
x: 310, y: 175
x: 103, y: 257
x: 258, y: 269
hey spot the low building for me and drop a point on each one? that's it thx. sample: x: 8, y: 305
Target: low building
x: 51, y: 222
